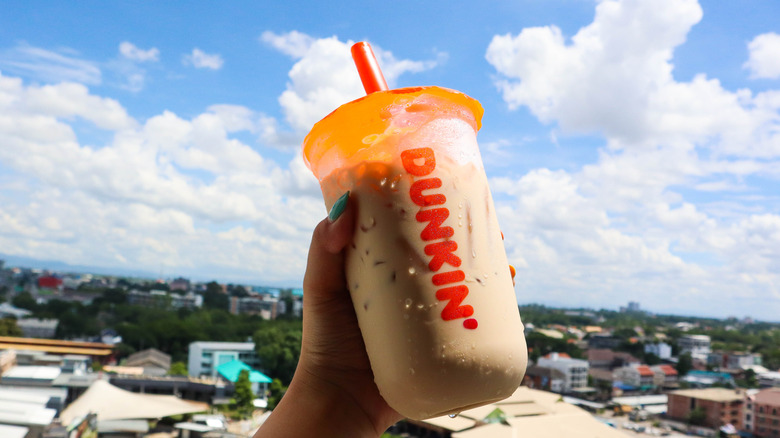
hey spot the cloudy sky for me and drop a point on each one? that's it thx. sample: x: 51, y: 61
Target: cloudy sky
x: 633, y: 146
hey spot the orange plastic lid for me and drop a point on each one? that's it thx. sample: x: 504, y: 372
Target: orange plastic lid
x: 347, y: 126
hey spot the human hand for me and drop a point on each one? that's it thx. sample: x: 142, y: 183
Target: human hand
x: 333, y: 382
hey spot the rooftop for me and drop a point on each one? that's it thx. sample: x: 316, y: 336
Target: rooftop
x: 711, y: 394
x: 769, y: 396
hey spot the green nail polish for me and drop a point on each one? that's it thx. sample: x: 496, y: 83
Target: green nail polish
x: 338, y: 207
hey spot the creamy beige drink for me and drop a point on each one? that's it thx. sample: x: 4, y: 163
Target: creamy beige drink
x: 427, y: 269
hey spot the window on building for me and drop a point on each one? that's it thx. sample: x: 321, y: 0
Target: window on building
x: 747, y: 417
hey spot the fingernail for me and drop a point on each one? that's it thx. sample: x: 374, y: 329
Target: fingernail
x: 338, y: 207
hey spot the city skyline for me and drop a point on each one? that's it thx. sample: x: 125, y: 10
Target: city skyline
x: 632, y: 146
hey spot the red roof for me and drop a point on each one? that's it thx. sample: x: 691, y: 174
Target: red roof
x: 668, y: 370
x: 645, y: 370
x: 560, y: 356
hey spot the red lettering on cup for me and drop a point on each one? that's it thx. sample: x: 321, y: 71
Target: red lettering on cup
x: 409, y: 159
x: 425, y: 200
x: 448, y: 277
x: 435, y: 217
x: 442, y: 253
x: 453, y: 309
x: 421, y: 162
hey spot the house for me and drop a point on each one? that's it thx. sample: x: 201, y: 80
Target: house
x: 660, y: 349
x: 766, y: 411
x: 665, y: 376
x: 575, y: 371
x: 205, y: 357
x: 721, y: 406
x: 638, y: 376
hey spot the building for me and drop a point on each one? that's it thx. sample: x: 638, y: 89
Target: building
x: 704, y: 379
x: 660, y: 349
x: 721, y: 406
x: 38, y: 328
x: 181, y: 284
x: 49, y: 282
x: 527, y: 413
x: 9, y: 311
x: 575, y: 371
x: 766, y: 410
x: 665, y: 376
x: 96, y: 351
x: 640, y: 377
x: 697, y: 345
x: 548, y: 379
x: 603, y: 340
x: 159, y: 298
x: 153, y: 361
x: 205, y: 357
x: 265, y: 306
x: 609, y: 360
x: 731, y: 360
x: 769, y: 379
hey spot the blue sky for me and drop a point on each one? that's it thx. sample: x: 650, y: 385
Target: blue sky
x: 633, y: 146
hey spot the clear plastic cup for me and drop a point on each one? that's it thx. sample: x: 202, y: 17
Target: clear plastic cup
x: 427, y: 269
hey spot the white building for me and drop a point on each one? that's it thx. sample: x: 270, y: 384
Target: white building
x: 697, y: 345
x: 205, y: 357
x: 575, y: 371
x: 769, y: 380
x: 661, y: 349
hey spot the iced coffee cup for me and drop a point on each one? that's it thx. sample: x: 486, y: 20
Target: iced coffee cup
x: 426, y: 269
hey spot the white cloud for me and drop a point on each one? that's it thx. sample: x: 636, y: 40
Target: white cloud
x: 764, y: 57
x: 324, y: 76
x: 172, y: 192
x: 133, y: 53
x: 613, y: 78
x: 200, y: 59
x: 294, y: 43
x: 49, y: 66
x: 627, y: 226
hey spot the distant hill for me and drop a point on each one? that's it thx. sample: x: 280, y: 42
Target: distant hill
x: 54, y: 265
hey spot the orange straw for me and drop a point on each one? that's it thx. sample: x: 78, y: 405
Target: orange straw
x: 368, y: 69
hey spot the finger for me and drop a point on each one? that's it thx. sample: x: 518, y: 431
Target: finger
x: 325, y: 266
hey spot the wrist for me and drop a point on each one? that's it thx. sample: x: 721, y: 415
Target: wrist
x: 314, y: 407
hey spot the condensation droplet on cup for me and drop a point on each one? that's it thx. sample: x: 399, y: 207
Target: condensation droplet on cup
x: 406, y: 316
x: 383, y: 182
x: 420, y: 306
x: 452, y: 415
x: 411, y: 371
x: 408, y: 303
x: 474, y: 253
x: 412, y: 271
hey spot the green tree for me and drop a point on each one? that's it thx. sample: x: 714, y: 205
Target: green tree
x: 276, y: 391
x: 214, y: 297
x: 697, y: 417
x: 8, y: 327
x: 684, y: 364
x: 243, y: 396
x: 25, y: 301
x: 279, y: 347
x: 178, y: 369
